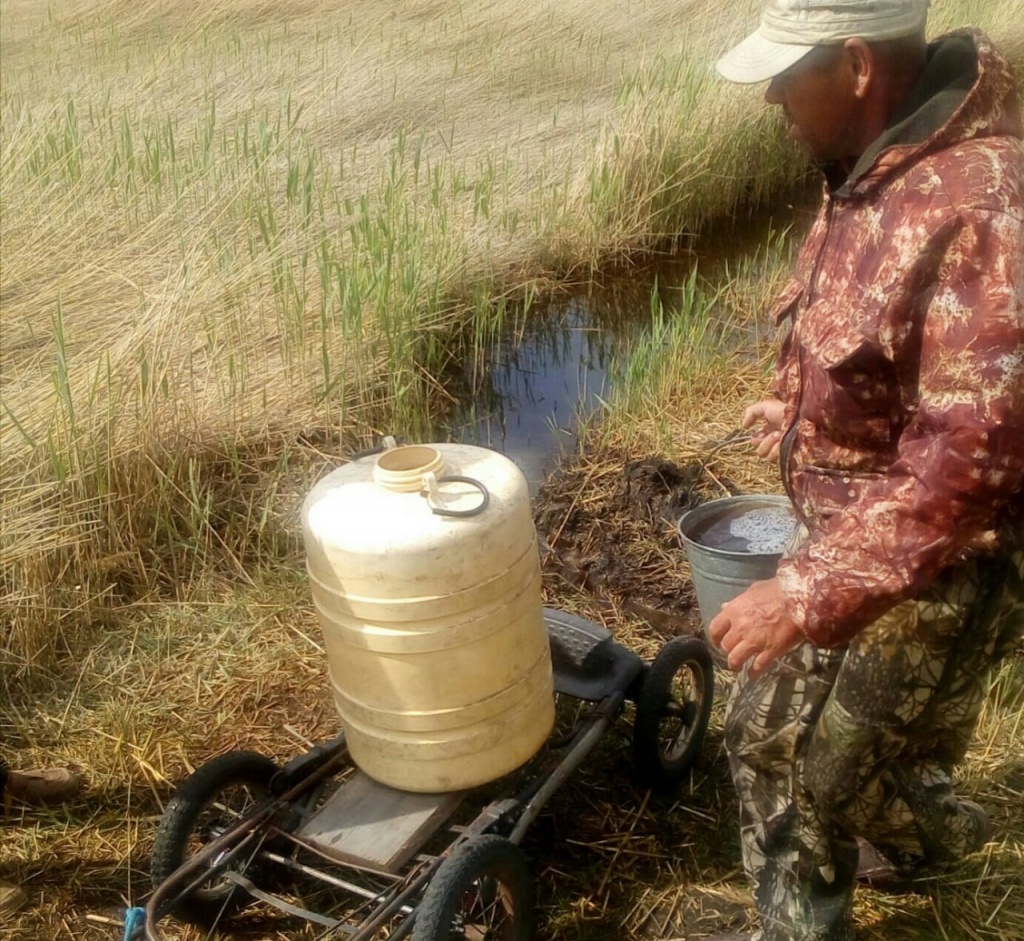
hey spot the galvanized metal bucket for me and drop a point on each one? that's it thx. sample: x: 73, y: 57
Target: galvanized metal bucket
x: 719, y: 575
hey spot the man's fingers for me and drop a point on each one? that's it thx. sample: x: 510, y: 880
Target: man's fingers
x: 771, y: 411
x: 751, y: 415
x: 768, y: 445
x: 762, y: 661
x: 739, y: 655
x: 718, y: 628
x: 768, y: 442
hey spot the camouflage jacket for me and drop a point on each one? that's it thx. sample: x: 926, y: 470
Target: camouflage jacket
x: 903, y: 367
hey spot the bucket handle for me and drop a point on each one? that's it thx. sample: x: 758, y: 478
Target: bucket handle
x: 433, y: 494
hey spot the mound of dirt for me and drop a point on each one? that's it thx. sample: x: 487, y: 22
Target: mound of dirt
x: 608, y: 526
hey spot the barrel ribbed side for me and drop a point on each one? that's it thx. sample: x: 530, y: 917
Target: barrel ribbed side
x: 433, y: 626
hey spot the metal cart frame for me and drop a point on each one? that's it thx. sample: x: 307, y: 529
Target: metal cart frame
x: 440, y: 879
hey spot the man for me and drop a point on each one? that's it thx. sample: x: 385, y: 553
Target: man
x: 899, y: 426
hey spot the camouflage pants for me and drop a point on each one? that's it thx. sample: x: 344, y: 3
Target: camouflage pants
x: 831, y: 745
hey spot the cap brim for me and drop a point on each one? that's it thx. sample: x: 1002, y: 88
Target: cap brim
x: 757, y: 59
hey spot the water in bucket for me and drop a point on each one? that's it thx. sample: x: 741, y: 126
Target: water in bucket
x: 761, y: 530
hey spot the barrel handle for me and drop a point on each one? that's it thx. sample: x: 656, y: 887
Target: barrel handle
x: 433, y: 494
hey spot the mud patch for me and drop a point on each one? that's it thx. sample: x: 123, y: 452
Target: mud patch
x: 608, y: 526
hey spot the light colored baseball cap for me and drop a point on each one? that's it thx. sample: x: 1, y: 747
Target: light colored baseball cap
x: 792, y: 28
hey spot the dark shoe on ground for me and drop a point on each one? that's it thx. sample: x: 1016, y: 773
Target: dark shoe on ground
x: 982, y: 825
x: 878, y: 872
x: 12, y: 900
x: 49, y: 786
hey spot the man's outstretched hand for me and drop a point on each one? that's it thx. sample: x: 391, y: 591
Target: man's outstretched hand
x: 755, y: 625
x: 767, y: 439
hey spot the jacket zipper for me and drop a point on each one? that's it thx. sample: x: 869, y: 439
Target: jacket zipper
x: 789, y: 438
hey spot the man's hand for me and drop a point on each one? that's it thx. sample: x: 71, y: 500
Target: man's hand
x: 768, y: 439
x: 755, y: 624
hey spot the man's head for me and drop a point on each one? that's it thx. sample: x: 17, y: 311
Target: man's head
x: 836, y: 67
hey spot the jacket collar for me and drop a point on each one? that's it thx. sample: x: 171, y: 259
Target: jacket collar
x: 967, y: 91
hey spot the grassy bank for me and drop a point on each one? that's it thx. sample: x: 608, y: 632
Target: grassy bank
x: 239, y: 238
x: 232, y: 229
x: 241, y: 667
x: 236, y: 234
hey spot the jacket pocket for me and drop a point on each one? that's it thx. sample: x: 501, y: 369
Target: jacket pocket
x: 828, y: 490
x: 851, y: 394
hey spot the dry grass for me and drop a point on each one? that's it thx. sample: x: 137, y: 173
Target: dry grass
x: 174, y: 374
x: 230, y: 226
x: 227, y: 228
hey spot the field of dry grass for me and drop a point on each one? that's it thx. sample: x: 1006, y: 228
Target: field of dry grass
x: 231, y: 229
x: 240, y: 237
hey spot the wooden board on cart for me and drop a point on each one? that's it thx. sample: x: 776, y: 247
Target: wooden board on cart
x: 367, y: 823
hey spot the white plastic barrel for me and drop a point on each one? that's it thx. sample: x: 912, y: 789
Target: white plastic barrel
x: 428, y: 593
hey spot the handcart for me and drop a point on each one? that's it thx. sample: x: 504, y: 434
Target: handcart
x: 365, y: 862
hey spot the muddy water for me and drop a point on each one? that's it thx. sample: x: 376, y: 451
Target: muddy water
x: 526, y: 396
x: 762, y: 531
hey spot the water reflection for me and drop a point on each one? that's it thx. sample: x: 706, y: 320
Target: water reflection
x: 525, y: 396
x: 539, y: 383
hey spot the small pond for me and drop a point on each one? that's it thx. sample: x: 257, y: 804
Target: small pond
x: 527, y: 397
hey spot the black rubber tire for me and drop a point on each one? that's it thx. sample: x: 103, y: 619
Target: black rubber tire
x: 246, y: 773
x: 483, y: 892
x: 669, y: 729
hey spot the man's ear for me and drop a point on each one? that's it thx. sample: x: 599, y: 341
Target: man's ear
x: 861, y: 63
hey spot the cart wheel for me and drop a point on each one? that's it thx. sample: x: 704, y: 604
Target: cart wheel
x: 212, y: 799
x: 482, y: 892
x: 672, y: 712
